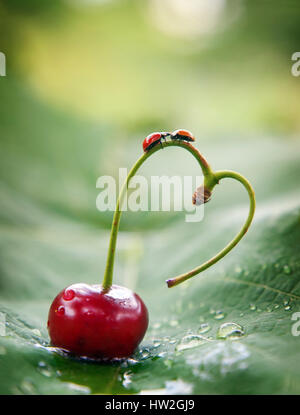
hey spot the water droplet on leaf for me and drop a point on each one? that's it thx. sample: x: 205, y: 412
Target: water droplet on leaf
x: 204, y: 328
x: 156, y: 343
x: 162, y: 354
x: 230, y: 331
x: 219, y: 315
x: 190, y: 341
x: 145, y: 354
x: 127, y: 379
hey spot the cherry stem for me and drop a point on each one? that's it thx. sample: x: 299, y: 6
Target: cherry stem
x: 210, y: 180
x: 221, y: 175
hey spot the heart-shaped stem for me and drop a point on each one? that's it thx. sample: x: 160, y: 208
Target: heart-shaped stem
x: 222, y: 175
x: 210, y: 180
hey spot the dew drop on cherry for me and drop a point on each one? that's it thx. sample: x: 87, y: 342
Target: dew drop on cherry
x: 61, y: 310
x: 68, y: 295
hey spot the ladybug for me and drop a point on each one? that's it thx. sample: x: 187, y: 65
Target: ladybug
x: 183, y: 135
x: 153, y: 139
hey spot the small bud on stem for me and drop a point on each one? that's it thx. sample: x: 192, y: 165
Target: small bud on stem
x: 201, y: 195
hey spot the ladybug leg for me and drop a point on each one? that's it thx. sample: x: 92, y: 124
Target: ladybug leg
x: 164, y: 137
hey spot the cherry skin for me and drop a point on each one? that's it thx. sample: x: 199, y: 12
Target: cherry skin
x: 89, y: 321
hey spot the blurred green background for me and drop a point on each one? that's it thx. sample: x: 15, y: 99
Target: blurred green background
x: 86, y: 81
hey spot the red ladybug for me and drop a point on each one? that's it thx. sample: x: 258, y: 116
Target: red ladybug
x: 153, y: 139
x: 183, y: 135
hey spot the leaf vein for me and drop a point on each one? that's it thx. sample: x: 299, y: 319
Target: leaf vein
x: 264, y: 286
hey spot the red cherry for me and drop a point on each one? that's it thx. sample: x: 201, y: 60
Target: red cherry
x: 89, y: 321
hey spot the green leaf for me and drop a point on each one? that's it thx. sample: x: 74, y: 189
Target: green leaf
x: 255, y: 287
